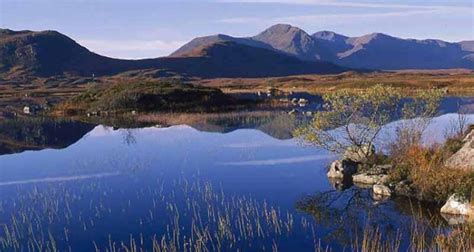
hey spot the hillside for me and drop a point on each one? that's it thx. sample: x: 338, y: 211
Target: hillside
x: 372, y: 51
x: 233, y: 59
x: 50, y: 53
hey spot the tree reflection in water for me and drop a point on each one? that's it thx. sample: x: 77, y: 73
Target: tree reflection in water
x: 351, y: 214
x: 129, y: 137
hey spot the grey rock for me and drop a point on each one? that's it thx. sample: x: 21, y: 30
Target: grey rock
x: 454, y: 219
x: 342, y: 169
x: 370, y: 179
x: 457, y: 206
x: 464, y: 158
x: 382, y: 190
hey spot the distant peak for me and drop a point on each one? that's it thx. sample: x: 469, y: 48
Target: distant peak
x: 371, y: 38
x: 222, y: 36
x: 329, y: 35
x: 282, y: 28
x: 377, y: 35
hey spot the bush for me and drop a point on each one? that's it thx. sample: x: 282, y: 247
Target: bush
x: 424, y: 167
x: 452, y: 145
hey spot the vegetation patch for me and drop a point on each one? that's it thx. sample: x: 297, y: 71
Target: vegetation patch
x: 145, y: 96
x: 350, y: 124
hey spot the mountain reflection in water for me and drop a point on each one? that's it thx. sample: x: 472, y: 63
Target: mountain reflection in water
x: 223, y: 174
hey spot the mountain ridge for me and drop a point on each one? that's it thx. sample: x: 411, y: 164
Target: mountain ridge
x: 371, y: 51
x: 49, y: 53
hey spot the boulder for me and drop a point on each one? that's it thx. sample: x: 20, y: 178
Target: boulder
x: 464, y: 158
x: 370, y: 179
x: 454, y: 219
x: 382, y: 190
x: 359, y: 154
x: 342, y: 169
x: 457, y: 206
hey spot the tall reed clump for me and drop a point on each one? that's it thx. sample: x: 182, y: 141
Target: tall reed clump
x: 459, y: 239
x: 424, y: 167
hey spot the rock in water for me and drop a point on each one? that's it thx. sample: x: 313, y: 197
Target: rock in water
x: 382, y: 190
x: 342, y: 168
x: 457, y: 206
x: 464, y: 158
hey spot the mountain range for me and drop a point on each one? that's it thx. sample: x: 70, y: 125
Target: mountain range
x: 280, y: 50
x: 372, y: 51
x: 50, y: 53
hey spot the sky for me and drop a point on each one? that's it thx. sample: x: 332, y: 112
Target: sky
x: 151, y: 28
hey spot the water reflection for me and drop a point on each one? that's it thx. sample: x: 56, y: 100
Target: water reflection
x: 39, y: 133
x: 221, y: 174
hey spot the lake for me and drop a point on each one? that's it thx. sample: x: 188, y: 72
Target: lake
x: 215, y: 184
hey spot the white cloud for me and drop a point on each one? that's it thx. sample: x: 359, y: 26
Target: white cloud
x: 352, y: 4
x: 132, y: 49
x: 342, y: 18
x: 331, y: 18
x: 396, y: 10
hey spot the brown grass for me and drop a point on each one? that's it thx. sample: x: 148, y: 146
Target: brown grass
x: 424, y: 167
x: 456, y: 81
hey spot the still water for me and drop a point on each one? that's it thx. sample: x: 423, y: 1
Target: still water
x: 247, y: 187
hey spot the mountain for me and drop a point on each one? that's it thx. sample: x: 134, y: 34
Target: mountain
x: 280, y: 38
x: 372, y: 51
x: 200, y: 42
x: 289, y: 39
x: 381, y: 51
x: 330, y: 44
x: 467, y: 45
x: 51, y: 53
x: 232, y: 59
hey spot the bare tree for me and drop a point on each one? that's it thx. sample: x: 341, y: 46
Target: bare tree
x: 353, y: 120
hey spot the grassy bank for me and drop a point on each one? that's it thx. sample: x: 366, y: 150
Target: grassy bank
x: 456, y: 82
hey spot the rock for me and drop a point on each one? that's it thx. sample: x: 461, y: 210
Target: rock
x: 457, y: 206
x: 382, y: 190
x: 370, y: 179
x: 454, y: 219
x: 464, y: 158
x: 342, y: 169
x: 359, y: 154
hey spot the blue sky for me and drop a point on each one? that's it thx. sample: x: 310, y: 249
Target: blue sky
x: 152, y: 28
